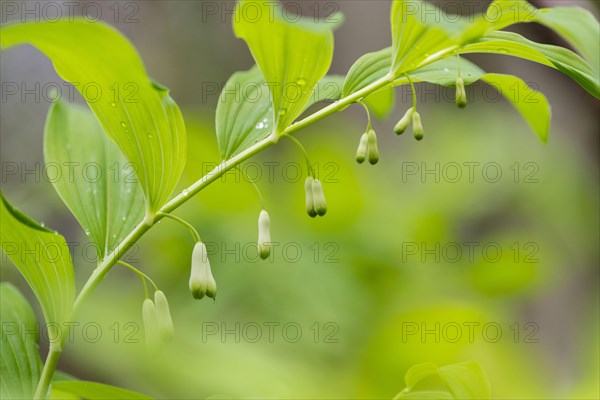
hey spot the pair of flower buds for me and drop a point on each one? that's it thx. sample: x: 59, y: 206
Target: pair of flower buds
x: 413, y: 116
x: 367, y: 148
x: 202, y: 283
x: 158, y: 325
x: 315, y: 198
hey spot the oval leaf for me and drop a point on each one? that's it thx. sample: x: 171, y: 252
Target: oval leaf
x: 578, y: 27
x: 466, y: 381
x: 328, y: 88
x: 415, y: 36
x: 566, y: 61
x: 20, y: 362
x: 43, y: 258
x: 93, y: 391
x: 424, y: 395
x: 107, y: 71
x: 95, y: 180
x: 244, y: 112
x: 532, y: 105
x: 366, y: 70
x: 417, y: 373
x: 499, y: 15
x: 292, y: 55
x: 374, y: 66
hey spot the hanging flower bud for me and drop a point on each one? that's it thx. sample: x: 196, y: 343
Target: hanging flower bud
x: 402, y: 125
x: 201, y: 279
x: 417, y: 126
x: 361, y: 152
x: 163, y: 314
x: 310, y: 203
x: 373, y: 150
x: 150, y: 319
x: 319, y: 197
x: 461, y: 93
x: 264, y: 235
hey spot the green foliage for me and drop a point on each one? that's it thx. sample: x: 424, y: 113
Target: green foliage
x: 242, y: 122
x: 578, y: 27
x: 108, y: 201
x: 513, y: 44
x: 134, y: 119
x: 461, y: 381
x: 43, y: 258
x: 20, y: 363
x: 532, y: 105
x: 292, y: 57
x: 92, y: 391
x: 136, y: 113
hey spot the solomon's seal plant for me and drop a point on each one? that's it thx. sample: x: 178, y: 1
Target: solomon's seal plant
x: 150, y: 134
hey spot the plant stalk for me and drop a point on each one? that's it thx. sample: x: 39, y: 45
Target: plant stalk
x: 111, y: 259
x: 43, y: 387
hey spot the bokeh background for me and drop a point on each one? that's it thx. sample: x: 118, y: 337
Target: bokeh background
x: 349, y: 302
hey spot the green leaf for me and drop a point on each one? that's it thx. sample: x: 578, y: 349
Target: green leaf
x: 578, y: 27
x: 328, y: 88
x: 416, y: 36
x: 138, y: 115
x: 417, y: 373
x: 566, y: 61
x: 94, y: 179
x: 244, y: 112
x: 499, y: 15
x: 20, y: 362
x: 43, y: 258
x: 532, y: 105
x: 292, y: 55
x: 94, y: 391
x: 466, y: 380
x: 366, y: 70
x: 463, y: 381
x: 373, y: 66
x: 424, y: 395
x: 62, y: 376
x: 381, y: 102
x: 444, y: 72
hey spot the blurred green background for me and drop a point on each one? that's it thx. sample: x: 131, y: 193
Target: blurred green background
x: 348, y: 302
